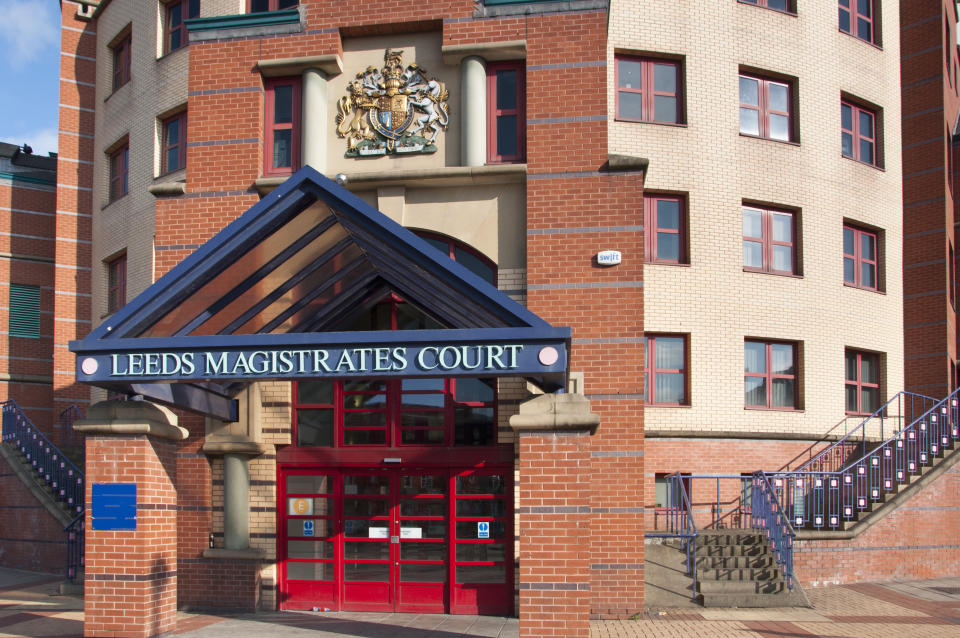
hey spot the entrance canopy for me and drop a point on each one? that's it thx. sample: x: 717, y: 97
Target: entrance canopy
x: 268, y: 298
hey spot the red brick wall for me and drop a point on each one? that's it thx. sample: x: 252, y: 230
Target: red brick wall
x: 30, y: 537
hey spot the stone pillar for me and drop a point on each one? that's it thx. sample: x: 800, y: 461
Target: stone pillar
x: 130, y: 580
x: 473, y: 104
x: 553, y: 514
x: 313, y: 144
x: 236, y: 502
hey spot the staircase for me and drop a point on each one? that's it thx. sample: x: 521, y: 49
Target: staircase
x: 51, y: 476
x: 738, y: 568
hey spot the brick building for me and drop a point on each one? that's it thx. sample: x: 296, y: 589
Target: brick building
x: 517, y: 138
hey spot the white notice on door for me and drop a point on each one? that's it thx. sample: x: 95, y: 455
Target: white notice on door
x: 411, y: 532
x: 378, y: 532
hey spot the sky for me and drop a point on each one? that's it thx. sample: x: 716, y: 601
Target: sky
x: 29, y: 73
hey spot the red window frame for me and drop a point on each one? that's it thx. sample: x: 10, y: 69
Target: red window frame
x: 175, y: 31
x: 655, y: 231
x: 254, y: 6
x: 647, y: 90
x: 788, y: 6
x: 176, y: 148
x: 119, y: 172
x: 857, y: 259
x: 769, y: 376
x: 768, y: 242
x: 116, y: 283
x: 851, y: 10
x: 270, y: 127
x: 765, y: 111
x: 121, y: 62
x: 858, y: 381
x: 857, y: 136
x: 495, y: 112
x: 951, y: 275
x: 650, y: 370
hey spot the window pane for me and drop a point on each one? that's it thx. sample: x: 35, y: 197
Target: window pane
x: 781, y: 358
x: 752, y: 223
x: 480, y: 484
x: 665, y: 78
x: 421, y: 420
x: 256, y: 6
x: 846, y: 117
x: 481, y: 507
x: 850, y: 366
x: 475, y: 390
x: 415, y: 383
x: 286, y: 4
x: 366, y: 551
x: 631, y: 106
x: 668, y: 214
x: 364, y: 419
x: 749, y: 91
x: 315, y: 392
x: 283, y: 104
x: 506, y: 135
x: 362, y: 484
x: 423, y: 573
x: 629, y: 74
x: 849, y: 271
x: 669, y: 353
x: 507, y: 89
x: 869, y: 370
x: 846, y: 144
x: 864, y: 8
x: 669, y: 387
x: 755, y: 391
x: 422, y: 401
x: 309, y: 571
x: 866, y: 124
x: 665, y: 108
x: 173, y: 159
x: 173, y: 132
x: 367, y: 572
x: 870, y: 400
x: 475, y: 265
x: 281, y: 148
x: 849, y: 243
x: 866, y: 151
x: 780, y: 5
x: 749, y: 121
x: 844, y: 20
x: 424, y: 551
x: 175, y: 39
x: 783, y: 258
x: 364, y: 437
x: 783, y: 393
x: 755, y: 357
x: 782, y: 227
x: 489, y: 574
x: 365, y: 507
x: 779, y: 97
x: 850, y: 398
x: 473, y: 426
x: 868, y: 275
x: 309, y: 549
x: 175, y: 17
x: 315, y: 427
x: 480, y: 552
x: 863, y: 29
x: 868, y: 247
x: 779, y: 127
x: 315, y: 484
x: 752, y: 254
x: 668, y: 246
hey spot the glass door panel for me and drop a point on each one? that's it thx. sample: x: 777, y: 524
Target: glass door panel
x: 367, y: 530
x: 307, y: 541
x: 421, y: 513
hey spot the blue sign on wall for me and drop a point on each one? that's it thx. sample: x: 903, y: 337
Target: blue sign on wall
x: 114, y: 506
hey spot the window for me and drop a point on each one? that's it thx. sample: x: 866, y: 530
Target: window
x: 119, y: 170
x: 24, y: 311
x: 665, y: 369
x: 116, y: 283
x: 648, y: 90
x: 765, y: 107
x: 259, y: 6
x: 506, y: 138
x: 174, y: 147
x: 768, y: 241
x: 282, y: 130
x: 860, y: 258
x: 859, y: 133
x: 862, y: 386
x: 121, y: 62
x: 770, y: 375
x: 777, y: 5
x: 666, y: 236
x: 176, y: 30
x: 858, y: 18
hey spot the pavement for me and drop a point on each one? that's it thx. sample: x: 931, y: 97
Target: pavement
x: 31, y: 606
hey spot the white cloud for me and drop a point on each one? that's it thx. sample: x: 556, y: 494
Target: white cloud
x: 28, y: 28
x: 42, y: 141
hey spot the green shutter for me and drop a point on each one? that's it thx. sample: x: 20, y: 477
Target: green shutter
x: 24, y: 311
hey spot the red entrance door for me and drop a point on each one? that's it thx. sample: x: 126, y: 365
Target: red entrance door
x: 406, y: 540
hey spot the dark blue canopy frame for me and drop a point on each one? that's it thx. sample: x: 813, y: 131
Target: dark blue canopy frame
x: 282, y: 278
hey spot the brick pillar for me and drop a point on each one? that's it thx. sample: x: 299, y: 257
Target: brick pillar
x: 553, y: 514
x: 130, y: 582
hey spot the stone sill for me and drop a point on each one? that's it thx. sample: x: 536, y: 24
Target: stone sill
x: 421, y: 178
x: 331, y: 64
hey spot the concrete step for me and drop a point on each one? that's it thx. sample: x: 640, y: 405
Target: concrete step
x: 736, y: 562
x: 754, y: 551
x: 796, y: 598
x: 711, y: 538
x: 741, y: 587
x: 760, y: 575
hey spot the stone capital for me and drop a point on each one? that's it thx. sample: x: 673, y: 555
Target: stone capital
x: 131, y: 418
x: 556, y: 412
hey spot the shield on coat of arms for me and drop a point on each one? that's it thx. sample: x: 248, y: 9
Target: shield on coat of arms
x: 391, y: 116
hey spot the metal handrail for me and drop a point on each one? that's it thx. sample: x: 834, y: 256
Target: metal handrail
x: 75, y: 547
x: 680, y: 523
x: 768, y: 515
x: 70, y: 415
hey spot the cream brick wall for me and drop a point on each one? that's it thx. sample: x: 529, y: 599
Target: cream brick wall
x: 714, y: 300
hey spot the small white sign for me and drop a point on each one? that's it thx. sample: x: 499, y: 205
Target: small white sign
x: 483, y: 529
x: 411, y: 532
x: 308, y: 528
x: 378, y: 532
x: 608, y: 257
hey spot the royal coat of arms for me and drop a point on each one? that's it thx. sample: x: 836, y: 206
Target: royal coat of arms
x: 392, y: 110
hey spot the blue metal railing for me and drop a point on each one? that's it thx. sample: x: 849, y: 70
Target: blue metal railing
x: 832, y: 497
x: 680, y: 523
x: 768, y: 516
x: 75, y: 547
x: 903, y: 409
x: 69, y: 436
x: 63, y: 477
